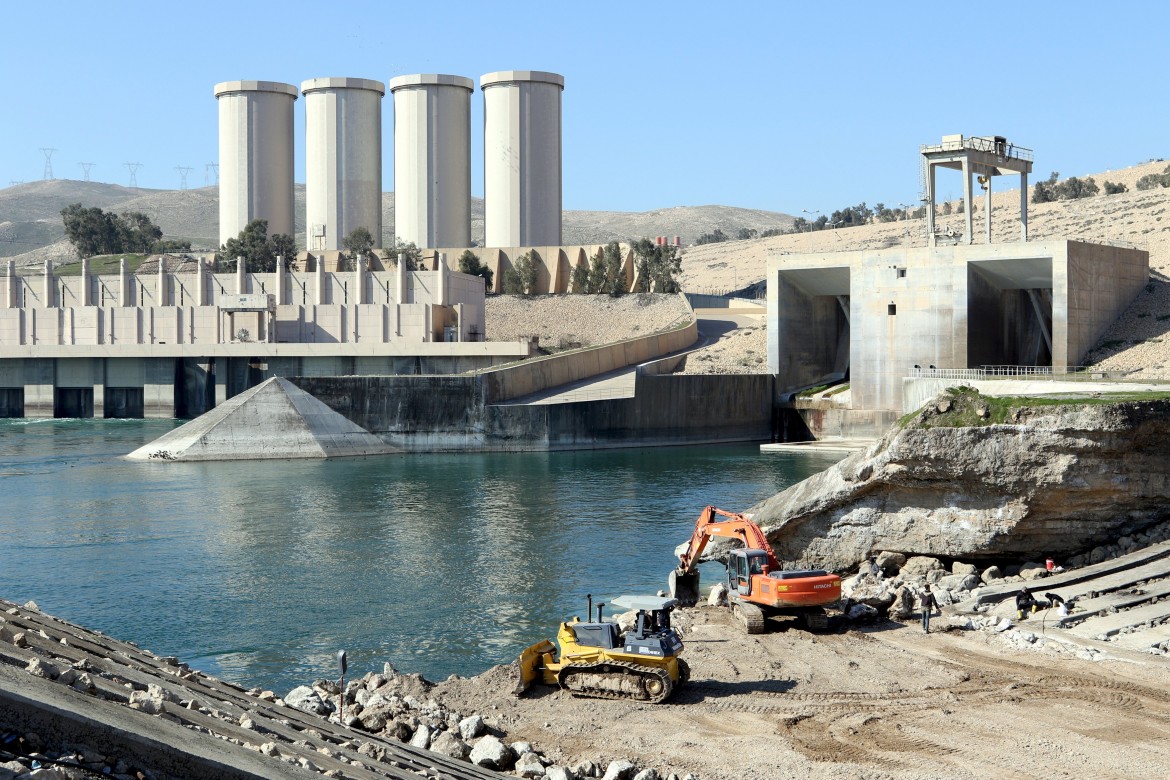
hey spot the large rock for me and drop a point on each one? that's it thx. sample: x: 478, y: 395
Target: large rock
x: 471, y: 727
x: 449, y: 744
x: 890, y: 562
x: 921, y: 566
x: 306, y: 699
x: 528, y: 765
x: 619, y: 770
x: 490, y: 753
x: 1057, y: 479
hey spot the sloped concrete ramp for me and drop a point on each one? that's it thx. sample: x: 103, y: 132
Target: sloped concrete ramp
x: 275, y: 419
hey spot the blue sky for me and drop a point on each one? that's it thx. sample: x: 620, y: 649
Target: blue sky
x: 779, y: 106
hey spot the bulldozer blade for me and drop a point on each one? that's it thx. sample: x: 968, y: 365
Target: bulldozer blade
x: 530, y: 669
x: 684, y: 587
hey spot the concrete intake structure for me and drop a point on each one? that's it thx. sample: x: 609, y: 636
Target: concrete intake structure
x: 522, y: 157
x: 255, y: 156
x: 343, y: 160
x: 432, y: 159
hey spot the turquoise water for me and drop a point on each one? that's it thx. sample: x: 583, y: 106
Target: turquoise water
x: 258, y: 572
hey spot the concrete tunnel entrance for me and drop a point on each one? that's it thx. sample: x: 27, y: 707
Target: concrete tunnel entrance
x: 810, y: 344
x: 1009, y: 312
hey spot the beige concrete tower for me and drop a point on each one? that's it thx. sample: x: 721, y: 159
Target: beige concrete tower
x: 343, y: 160
x: 522, y: 157
x: 255, y: 155
x: 432, y: 159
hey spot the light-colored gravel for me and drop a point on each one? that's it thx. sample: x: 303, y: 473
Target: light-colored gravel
x: 742, y: 351
x: 569, y: 321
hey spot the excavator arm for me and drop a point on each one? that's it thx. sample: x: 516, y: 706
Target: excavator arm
x: 713, y: 522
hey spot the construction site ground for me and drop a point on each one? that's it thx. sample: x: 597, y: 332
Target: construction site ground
x: 885, y: 701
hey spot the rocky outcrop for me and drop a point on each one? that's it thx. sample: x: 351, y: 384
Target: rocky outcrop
x: 980, y: 478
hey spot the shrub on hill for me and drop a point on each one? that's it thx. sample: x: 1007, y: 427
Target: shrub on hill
x: 1114, y: 189
x: 1154, y: 180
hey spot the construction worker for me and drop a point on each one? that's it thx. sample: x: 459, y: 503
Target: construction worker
x: 1025, y: 603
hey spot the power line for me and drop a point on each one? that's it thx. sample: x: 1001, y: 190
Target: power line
x: 85, y: 169
x: 48, y: 162
x: 208, y: 170
x: 133, y: 168
x: 183, y: 171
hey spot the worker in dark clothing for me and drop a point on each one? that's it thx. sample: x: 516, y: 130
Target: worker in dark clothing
x: 929, y: 605
x: 1025, y: 604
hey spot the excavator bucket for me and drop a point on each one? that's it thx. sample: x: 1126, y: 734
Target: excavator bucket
x: 530, y: 665
x: 684, y: 587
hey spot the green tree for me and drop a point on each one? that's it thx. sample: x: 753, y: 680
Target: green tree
x: 1114, y: 189
x: 746, y: 233
x: 580, y: 278
x: 469, y: 264
x: 657, y: 267
x: 1153, y: 180
x: 413, y: 255
x: 596, y: 272
x: 358, y: 243
x: 284, y: 245
x: 714, y: 237
x: 1075, y: 189
x: 1045, y: 191
x: 254, y: 245
x: 523, y: 276
x: 91, y: 230
x: 615, y: 281
x: 138, y: 232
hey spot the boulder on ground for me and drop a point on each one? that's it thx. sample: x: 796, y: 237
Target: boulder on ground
x: 619, y: 770
x: 471, y: 727
x: 863, y: 589
x: 306, y: 699
x: 718, y: 595
x: 647, y: 774
x: 557, y: 772
x: 449, y: 744
x: 422, y: 736
x: 1033, y: 570
x: 958, y: 567
x: 862, y: 613
x: 961, y: 582
x: 528, y: 765
x: 490, y: 753
x: 920, y: 566
x: 991, y: 574
x: 903, y: 606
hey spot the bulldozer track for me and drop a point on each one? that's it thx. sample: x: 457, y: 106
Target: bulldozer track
x: 626, y: 671
x: 749, y: 616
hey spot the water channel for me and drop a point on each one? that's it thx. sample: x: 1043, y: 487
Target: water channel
x: 258, y: 572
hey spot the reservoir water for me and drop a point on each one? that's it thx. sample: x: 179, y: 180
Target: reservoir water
x: 258, y: 572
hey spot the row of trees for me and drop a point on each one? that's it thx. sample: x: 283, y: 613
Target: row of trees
x: 1071, y: 188
x: 93, y: 231
x: 1151, y: 180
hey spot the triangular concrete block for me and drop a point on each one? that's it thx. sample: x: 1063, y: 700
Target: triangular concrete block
x: 275, y: 419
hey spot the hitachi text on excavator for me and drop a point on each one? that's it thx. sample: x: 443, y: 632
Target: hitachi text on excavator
x: 758, y: 586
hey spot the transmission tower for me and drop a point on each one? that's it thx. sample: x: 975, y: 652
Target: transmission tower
x: 208, y: 170
x: 133, y: 168
x: 48, y: 162
x: 183, y: 171
x: 85, y: 169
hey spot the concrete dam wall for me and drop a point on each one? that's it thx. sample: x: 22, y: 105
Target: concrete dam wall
x: 436, y: 413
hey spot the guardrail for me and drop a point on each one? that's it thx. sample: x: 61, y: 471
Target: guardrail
x: 1052, y: 373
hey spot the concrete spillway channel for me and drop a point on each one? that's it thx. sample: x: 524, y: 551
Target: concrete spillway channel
x: 73, y: 686
x: 1122, y: 602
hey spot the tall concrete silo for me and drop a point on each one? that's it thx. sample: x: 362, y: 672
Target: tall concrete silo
x: 343, y: 156
x: 522, y: 157
x: 432, y: 159
x: 255, y: 156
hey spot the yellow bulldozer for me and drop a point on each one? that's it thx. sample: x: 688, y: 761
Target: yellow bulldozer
x: 597, y: 659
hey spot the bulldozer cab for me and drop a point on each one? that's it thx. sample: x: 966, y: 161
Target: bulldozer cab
x: 741, y: 565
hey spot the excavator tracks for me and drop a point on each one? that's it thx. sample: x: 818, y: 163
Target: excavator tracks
x: 616, y: 680
x: 749, y: 616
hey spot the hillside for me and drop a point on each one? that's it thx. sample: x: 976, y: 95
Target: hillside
x: 30, y: 219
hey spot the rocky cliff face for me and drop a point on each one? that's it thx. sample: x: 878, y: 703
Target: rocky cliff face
x: 972, y: 477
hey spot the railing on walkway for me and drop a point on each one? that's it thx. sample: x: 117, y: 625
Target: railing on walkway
x: 1052, y: 373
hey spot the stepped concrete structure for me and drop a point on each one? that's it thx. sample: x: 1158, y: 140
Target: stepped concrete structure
x: 275, y: 419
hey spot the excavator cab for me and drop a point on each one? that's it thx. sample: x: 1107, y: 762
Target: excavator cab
x: 741, y: 566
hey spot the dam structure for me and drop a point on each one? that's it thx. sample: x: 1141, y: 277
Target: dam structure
x: 877, y: 322
x: 343, y: 160
x: 255, y: 156
x: 432, y: 159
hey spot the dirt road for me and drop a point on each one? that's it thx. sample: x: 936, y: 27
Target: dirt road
x: 882, y: 702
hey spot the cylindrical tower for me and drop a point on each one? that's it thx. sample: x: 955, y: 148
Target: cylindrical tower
x: 343, y: 160
x: 432, y: 159
x: 522, y: 157
x: 255, y: 156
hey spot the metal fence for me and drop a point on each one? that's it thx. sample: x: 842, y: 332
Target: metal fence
x: 1052, y: 373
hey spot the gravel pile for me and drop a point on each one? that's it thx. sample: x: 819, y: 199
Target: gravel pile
x: 742, y: 351
x: 571, y: 321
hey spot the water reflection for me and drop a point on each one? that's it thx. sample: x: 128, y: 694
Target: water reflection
x: 259, y: 572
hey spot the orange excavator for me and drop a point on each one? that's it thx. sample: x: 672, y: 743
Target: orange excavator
x: 758, y: 586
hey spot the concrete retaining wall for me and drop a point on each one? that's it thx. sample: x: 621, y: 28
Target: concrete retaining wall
x: 426, y: 414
